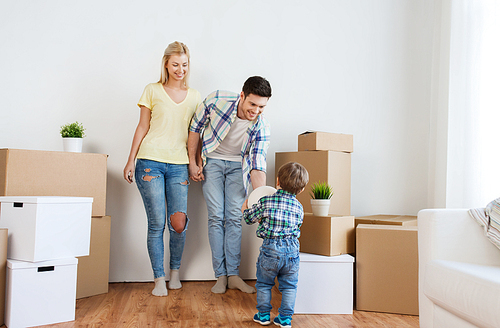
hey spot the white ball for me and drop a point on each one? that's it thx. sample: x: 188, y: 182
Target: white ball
x: 259, y: 193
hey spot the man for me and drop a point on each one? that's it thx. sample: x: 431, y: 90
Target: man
x: 232, y: 155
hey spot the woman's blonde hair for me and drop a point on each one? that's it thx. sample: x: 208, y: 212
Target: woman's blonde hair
x: 175, y: 48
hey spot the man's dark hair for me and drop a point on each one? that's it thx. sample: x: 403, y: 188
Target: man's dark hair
x: 257, y: 85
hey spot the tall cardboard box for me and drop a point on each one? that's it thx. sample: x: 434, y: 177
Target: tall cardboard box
x: 313, y: 140
x: 332, y: 167
x: 400, y: 220
x: 53, y: 173
x: 3, y: 271
x: 387, y: 268
x: 93, y: 270
x: 327, y: 235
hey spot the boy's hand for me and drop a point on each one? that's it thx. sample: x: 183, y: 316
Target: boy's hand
x: 245, y: 206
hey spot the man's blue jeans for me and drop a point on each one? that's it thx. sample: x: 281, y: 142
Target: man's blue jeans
x: 224, y: 194
x: 159, y: 182
x: 278, y: 258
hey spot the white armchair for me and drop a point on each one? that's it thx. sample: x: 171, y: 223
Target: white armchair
x: 459, y: 271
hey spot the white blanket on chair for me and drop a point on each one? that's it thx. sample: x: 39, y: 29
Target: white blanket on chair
x: 489, y: 219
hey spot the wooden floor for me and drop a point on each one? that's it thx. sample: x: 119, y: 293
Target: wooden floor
x: 132, y: 305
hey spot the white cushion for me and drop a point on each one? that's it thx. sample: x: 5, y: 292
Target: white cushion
x: 470, y: 291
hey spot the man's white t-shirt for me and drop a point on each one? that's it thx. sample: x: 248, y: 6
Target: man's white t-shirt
x: 230, y: 148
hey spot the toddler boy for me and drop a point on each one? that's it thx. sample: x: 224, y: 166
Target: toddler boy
x: 280, y: 216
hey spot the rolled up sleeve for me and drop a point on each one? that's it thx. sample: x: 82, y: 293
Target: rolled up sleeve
x: 259, y: 148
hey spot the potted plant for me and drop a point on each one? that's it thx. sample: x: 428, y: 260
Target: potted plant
x: 72, y: 134
x: 321, y: 193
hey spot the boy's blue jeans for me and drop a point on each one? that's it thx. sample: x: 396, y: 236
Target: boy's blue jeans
x: 278, y: 258
x: 159, y: 182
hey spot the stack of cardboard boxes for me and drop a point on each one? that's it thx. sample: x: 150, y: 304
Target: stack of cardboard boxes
x: 49, y: 173
x: 327, y: 158
x: 385, y: 246
x: 326, y: 269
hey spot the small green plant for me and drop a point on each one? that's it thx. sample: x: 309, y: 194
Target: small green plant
x: 321, y: 190
x: 73, y: 130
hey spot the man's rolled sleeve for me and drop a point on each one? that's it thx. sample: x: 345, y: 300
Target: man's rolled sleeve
x: 259, y: 148
x: 199, y: 118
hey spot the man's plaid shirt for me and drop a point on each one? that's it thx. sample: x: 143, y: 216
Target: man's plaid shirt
x: 213, y: 119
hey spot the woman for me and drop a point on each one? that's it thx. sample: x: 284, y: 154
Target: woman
x: 161, y: 169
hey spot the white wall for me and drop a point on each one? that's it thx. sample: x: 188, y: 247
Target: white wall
x: 358, y: 67
x: 440, y: 80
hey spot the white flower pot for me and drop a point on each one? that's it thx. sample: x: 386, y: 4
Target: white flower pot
x: 73, y: 144
x: 320, y: 207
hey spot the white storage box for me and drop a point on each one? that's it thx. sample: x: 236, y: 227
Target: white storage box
x: 46, y: 228
x: 325, y: 284
x: 40, y: 293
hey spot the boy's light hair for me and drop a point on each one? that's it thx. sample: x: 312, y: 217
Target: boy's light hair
x: 293, y: 177
x: 175, y: 48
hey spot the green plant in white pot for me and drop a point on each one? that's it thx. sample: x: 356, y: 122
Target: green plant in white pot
x: 72, y: 134
x: 321, y: 194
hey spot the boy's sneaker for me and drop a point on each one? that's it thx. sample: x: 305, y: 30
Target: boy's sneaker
x: 284, y: 321
x: 264, y: 318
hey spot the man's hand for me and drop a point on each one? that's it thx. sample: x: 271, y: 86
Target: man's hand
x: 194, y: 154
x: 244, y: 206
x: 196, y: 172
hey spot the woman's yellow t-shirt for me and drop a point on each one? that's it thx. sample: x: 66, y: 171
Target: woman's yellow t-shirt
x: 168, y: 129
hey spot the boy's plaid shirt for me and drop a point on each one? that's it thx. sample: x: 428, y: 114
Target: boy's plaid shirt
x: 213, y: 118
x: 280, y: 215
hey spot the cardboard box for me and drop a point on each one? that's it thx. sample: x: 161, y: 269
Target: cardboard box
x: 327, y: 236
x: 387, y: 268
x: 332, y: 167
x: 46, y: 228
x: 401, y: 220
x: 93, y: 270
x: 40, y: 293
x: 53, y: 173
x: 3, y: 271
x: 325, y: 284
x: 313, y: 140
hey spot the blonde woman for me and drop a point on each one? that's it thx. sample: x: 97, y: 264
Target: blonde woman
x: 159, y: 160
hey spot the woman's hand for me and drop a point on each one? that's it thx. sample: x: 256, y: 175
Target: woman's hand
x: 128, y: 172
x: 140, y: 132
x: 196, y: 172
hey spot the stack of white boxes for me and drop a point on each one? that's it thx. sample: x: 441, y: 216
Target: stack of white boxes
x: 326, y: 268
x: 46, y: 234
